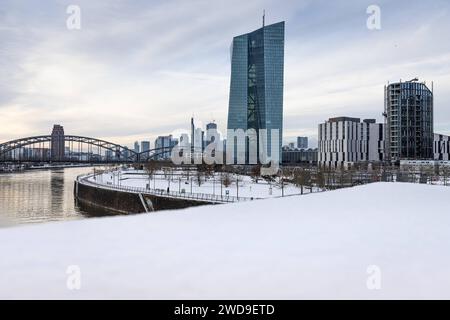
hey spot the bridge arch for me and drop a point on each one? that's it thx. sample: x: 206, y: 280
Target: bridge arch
x: 120, y: 153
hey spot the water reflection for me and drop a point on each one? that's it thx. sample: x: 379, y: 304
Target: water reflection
x: 40, y: 196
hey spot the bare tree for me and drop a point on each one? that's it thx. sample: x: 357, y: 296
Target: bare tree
x: 255, y: 173
x: 302, y: 178
x: 150, y: 168
x: 320, y: 179
x: 445, y: 169
x: 226, y: 179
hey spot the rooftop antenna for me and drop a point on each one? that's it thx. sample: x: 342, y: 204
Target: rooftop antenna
x: 264, y: 18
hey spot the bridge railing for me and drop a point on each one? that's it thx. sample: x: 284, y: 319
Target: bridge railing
x: 84, y: 179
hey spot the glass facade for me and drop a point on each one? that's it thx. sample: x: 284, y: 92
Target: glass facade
x: 256, y: 88
x: 409, y: 121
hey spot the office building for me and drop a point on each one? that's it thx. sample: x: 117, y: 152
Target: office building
x: 163, y: 145
x: 302, y: 142
x: 299, y: 156
x: 256, y: 86
x: 409, y: 121
x: 344, y: 141
x: 145, y: 146
x: 57, y: 143
x: 136, y: 147
x: 441, y: 147
x: 211, y: 132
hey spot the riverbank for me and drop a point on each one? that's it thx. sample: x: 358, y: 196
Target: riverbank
x: 330, y: 245
x: 24, y: 167
x: 128, y: 190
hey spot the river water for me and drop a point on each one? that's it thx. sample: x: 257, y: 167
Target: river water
x: 40, y: 196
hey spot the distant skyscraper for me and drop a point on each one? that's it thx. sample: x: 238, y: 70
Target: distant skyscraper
x: 409, y: 121
x: 192, y: 136
x: 58, y: 142
x: 256, y: 88
x: 302, y: 142
x: 145, y: 146
x: 211, y: 131
x: 136, y: 147
x: 163, y: 143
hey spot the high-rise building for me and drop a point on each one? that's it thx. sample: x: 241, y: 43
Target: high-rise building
x: 344, y: 141
x: 136, y: 147
x: 211, y: 132
x: 256, y: 87
x: 145, y: 146
x: 192, y: 136
x: 409, y: 121
x: 163, y: 145
x: 302, y: 142
x: 57, y: 143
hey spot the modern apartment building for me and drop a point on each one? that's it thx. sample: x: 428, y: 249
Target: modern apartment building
x: 441, y: 147
x: 344, y: 141
x: 409, y: 121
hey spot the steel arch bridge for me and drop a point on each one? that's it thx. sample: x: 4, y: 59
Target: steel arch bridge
x: 11, y: 151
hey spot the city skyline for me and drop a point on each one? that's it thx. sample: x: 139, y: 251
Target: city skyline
x: 115, y: 77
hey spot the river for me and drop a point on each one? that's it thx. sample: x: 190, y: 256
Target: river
x: 41, y: 196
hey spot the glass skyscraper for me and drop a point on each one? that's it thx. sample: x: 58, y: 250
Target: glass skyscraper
x: 256, y: 88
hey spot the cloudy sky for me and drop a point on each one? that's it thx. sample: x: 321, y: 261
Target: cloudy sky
x: 138, y: 69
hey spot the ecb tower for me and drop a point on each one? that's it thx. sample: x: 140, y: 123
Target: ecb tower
x: 256, y: 87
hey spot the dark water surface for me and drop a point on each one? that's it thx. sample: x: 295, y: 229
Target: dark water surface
x: 40, y: 196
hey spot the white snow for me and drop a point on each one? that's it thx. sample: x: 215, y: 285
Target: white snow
x: 247, y: 187
x: 314, y: 246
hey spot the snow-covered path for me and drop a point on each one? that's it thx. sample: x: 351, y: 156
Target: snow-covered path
x: 315, y: 246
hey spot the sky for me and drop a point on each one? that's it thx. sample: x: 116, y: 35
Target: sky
x: 138, y: 69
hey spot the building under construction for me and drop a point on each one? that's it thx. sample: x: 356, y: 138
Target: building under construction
x: 409, y: 121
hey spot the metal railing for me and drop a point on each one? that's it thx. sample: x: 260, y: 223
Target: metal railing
x: 205, y: 197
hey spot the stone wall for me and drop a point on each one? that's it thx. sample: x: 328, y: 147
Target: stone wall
x: 120, y: 202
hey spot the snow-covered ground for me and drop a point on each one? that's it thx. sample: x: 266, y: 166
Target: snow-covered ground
x: 338, y: 244
x: 179, y: 182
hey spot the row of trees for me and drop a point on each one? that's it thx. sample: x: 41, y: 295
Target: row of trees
x: 308, y: 177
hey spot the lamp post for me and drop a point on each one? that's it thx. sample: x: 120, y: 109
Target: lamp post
x: 237, y: 186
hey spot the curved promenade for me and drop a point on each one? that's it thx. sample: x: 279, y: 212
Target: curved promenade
x: 128, y: 199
